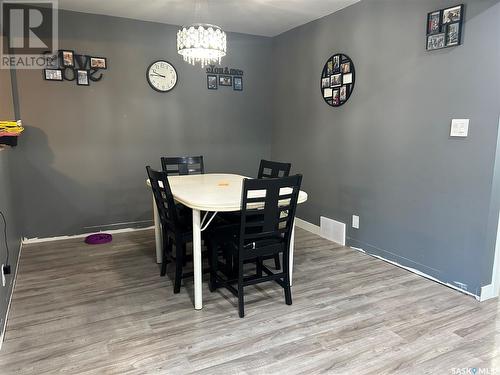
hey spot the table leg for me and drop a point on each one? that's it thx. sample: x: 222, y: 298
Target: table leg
x: 158, y: 234
x: 292, y: 244
x: 198, y: 272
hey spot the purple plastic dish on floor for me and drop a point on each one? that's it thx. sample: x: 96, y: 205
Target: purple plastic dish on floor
x: 98, y: 238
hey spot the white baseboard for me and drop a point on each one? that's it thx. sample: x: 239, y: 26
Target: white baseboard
x: 310, y: 227
x: 337, y: 235
x: 83, y: 235
x: 333, y: 230
x: 14, y: 275
x: 488, y: 292
x: 420, y: 273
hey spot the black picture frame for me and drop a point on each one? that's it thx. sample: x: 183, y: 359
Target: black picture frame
x: 45, y: 71
x: 458, y: 34
x: 99, y: 58
x: 431, y: 17
x: 433, y: 47
x: 63, y: 61
x: 215, y: 80
x: 450, y: 25
x: 240, y: 87
x: 225, y: 80
x: 333, y: 67
x: 78, y: 82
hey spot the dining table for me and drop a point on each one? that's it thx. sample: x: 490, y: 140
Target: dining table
x: 208, y: 193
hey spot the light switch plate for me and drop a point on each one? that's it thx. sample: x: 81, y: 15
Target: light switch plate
x: 459, y: 128
x: 355, y: 221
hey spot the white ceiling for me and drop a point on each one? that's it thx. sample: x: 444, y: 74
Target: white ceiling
x: 259, y: 17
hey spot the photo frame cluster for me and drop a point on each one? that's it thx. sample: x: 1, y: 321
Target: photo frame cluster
x: 337, y: 80
x: 224, y: 77
x: 444, y: 28
x: 76, y: 67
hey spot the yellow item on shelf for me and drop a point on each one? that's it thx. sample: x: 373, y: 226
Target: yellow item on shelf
x: 11, y: 128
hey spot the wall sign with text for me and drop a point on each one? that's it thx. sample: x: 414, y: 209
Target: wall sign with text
x: 76, y: 67
x: 224, y: 77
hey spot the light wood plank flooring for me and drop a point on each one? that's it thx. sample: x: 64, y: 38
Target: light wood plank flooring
x: 79, y: 309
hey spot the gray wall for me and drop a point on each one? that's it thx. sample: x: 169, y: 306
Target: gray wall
x: 7, y: 202
x: 81, y: 162
x: 423, y: 198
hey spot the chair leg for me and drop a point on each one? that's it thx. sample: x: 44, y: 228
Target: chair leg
x: 179, y: 259
x: 213, y: 257
x: 164, y: 260
x: 288, y: 292
x: 259, y: 267
x: 277, y: 263
x: 184, y: 257
x: 286, y: 279
x: 241, y: 301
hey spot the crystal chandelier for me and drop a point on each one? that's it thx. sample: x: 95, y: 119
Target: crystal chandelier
x: 201, y: 42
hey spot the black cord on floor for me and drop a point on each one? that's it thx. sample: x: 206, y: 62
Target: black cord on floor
x: 5, y: 236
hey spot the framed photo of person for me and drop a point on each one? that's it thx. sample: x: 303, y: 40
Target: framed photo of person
x: 238, y: 83
x: 82, y: 77
x: 212, y: 82
x: 52, y: 74
x: 67, y: 58
x: 98, y: 63
x: 225, y: 81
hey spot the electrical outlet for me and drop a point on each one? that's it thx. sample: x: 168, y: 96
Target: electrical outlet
x: 355, y: 221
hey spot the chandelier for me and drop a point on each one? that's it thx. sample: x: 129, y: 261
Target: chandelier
x: 201, y: 42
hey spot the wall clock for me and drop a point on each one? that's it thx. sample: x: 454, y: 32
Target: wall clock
x: 337, y: 80
x: 161, y: 76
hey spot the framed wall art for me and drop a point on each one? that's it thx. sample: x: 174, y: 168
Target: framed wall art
x: 337, y: 79
x: 212, y: 82
x: 444, y: 28
x: 238, y: 83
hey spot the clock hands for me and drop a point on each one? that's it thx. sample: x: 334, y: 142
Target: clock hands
x: 156, y: 73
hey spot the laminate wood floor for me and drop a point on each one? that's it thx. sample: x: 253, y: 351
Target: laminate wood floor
x: 79, y: 309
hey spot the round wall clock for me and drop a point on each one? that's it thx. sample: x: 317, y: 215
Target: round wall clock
x: 337, y: 80
x: 161, y: 76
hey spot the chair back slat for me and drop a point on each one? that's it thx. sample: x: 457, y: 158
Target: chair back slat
x: 267, y: 211
x: 164, y: 198
x: 273, y: 169
x: 182, y: 165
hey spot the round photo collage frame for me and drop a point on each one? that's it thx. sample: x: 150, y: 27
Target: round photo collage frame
x: 337, y: 80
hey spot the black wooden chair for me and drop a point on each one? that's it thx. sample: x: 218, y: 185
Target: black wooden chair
x: 176, y: 226
x: 182, y: 165
x: 267, y: 169
x: 273, y: 169
x: 265, y: 230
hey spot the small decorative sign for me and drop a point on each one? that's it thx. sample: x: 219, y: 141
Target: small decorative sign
x: 76, y: 67
x: 444, y: 28
x: 217, y: 76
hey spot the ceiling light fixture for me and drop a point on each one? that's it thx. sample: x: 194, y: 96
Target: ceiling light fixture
x: 201, y: 42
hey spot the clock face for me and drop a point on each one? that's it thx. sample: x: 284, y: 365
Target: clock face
x: 161, y: 76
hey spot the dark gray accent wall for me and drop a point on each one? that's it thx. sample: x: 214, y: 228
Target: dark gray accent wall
x: 423, y: 198
x: 8, y: 205
x: 80, y: 165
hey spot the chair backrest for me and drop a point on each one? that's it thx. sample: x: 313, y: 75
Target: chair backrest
x: 273, y: 169
x: 182, y: 165
x: 163, y: 197
x: 267, y: 214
